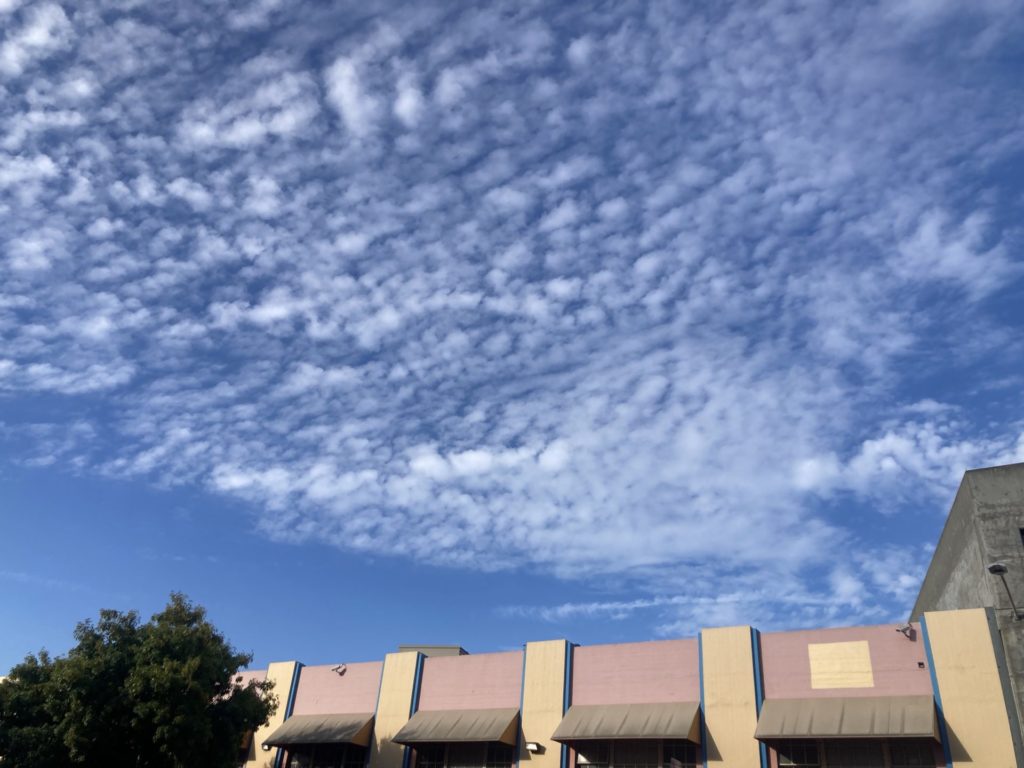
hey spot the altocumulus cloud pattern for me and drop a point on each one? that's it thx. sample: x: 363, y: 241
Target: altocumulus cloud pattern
x: 690, y: 296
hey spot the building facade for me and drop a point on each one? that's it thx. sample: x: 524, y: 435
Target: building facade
x: 985, y: 529
x: 931, y: 693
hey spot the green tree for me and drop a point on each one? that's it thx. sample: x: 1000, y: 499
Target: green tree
x: 28, y: 735
x: 164, y: 694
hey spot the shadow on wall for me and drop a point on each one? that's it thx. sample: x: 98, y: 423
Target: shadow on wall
x: 711, y: 747
x: 957, y: 750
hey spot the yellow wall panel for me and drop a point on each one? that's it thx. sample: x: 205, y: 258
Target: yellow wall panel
x: 393, y: 705
x: 281, y: 673
x: 964, y: 663
x: 730, y: 708
x: 543, y: 699
x: 841, y: 665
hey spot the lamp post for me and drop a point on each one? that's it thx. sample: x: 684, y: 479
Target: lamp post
x: 1000, y: 569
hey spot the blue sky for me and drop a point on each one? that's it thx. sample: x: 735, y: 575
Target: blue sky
x: 369, y: 323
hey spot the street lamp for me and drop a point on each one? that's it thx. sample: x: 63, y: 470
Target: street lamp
x: 1000, y: 570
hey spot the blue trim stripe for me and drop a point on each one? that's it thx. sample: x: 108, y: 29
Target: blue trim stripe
x: 755, y: 649
x: 703, y: 723
x: 522, y: 691
x: 566, y: 696
x: 288, y: 707
x: 417, y: 678
x: 943, y: 735
x: 414, y: 704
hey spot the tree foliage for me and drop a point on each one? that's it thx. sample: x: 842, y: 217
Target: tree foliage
x: 165, y: 694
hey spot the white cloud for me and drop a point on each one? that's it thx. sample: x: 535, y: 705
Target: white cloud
x: 345, y: 92
x: 46, y: 29
x: 16, y: 169
x: 564, y: 214
x: 555, y: 456
x: 276, y: 102
x: 253, y: 14
x: 613, y: 209
x: 914, y: 458
x: 408, y: 101
x: 192, y: 192
x: 580, y: 50
x: 942, y: 250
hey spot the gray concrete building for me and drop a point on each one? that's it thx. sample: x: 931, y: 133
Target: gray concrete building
x: 984, y: 533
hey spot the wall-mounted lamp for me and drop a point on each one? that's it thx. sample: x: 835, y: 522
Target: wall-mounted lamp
x: 266, y: 747
x: 535, y: 747
x: 907, y: 630
x: 1000, y: 570
x: 339, y: 670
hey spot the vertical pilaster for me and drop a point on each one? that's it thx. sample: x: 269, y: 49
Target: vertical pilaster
x: 729, y: 698
x: 964, y: 665
x: 546, y: 669
x: 285, y: 677
x: 396, y: 702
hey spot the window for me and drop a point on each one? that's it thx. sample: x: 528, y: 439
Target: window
x: 595, y: 754
x: 799, y: 753
x: 854, y: 754
x: 430, y: 756
x: 636, y: 754
x: 679, y: 754
x: 912, y: 754
x: 327, y: 756
x: 859, y: 753
x: 650, y: 753
x: 500, y: 755
x: 465, y: 755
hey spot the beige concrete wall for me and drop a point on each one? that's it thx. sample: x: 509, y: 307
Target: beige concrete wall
x: 730, y: 707
x: 970, y: 687
x: 393, y: 706
x: 281, y: 673
x: 543, y: 699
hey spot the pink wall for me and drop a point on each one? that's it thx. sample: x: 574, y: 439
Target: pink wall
x: 323, y: 692
x: 252, y: 674
x: 894, y: 662
x: 636, y: 673
x: 477, y: 681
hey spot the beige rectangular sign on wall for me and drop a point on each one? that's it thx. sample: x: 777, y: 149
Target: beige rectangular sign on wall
x: 841, y: 665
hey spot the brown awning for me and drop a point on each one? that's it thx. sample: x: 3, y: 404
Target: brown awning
x: 458, y: 725
x: 323, y: 729
x: 631, y: 721
x: 848, y: 718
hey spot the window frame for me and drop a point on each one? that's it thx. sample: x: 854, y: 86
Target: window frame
x: 821, y: 746
x: 610, y: 745
x: 343, y: 761
x: 488, y: 749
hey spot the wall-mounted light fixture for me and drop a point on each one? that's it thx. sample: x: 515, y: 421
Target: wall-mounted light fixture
x: 1000, y: 570
x: 535, y: 747
x: 339, y: 670
x: 266, y: 747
